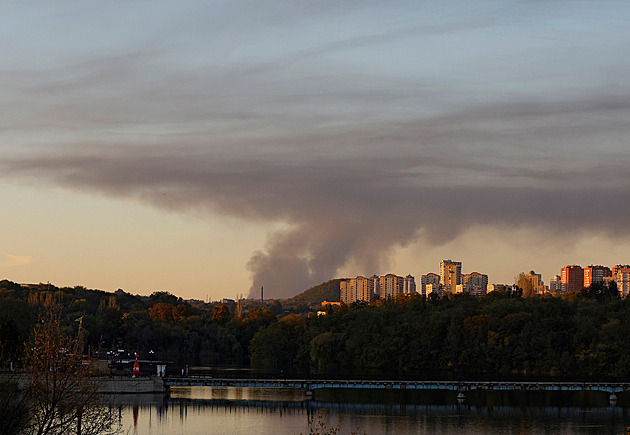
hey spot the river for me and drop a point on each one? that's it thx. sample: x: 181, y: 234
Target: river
x: 227, y: 410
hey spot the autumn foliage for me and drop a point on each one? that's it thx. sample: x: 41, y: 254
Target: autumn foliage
x: 165, y: 312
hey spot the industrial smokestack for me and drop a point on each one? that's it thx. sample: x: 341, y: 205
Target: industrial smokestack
x: 261, y: 295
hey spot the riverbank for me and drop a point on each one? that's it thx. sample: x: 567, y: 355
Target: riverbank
x: 105, y: 385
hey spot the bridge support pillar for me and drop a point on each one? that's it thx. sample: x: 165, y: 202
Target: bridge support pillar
x: 613, y: 399
x: 461, y: 397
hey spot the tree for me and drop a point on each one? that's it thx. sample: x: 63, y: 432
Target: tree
x: 180, y: 312
x: 161, y: 312
x: 13, y: 406
x: 62, y: 396
x: 525, y: 284
x: 325, y: 350
x: 220, y: 314
x: 164, y: 297
x: 602, y: 291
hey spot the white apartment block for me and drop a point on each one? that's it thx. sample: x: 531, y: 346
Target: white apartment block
x: 357, y: 289
x: 623, y: 283
x: 429, y: 279
x: 391, y: 285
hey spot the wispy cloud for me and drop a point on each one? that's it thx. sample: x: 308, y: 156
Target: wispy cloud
x: 356, y: 194
x: 386, y: 125
x: 11, y: 261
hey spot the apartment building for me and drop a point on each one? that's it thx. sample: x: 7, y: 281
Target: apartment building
x: 409, y: 285
x: 391, y: 285
x: 572, y: 278
x: 432, y: 288
x: 593, y: 274
x: 475, y: 283
x: 450, y: 275
x: 622, y: 279
x: 357, y: 289
x: 429, y: 279
x: 538, y: 286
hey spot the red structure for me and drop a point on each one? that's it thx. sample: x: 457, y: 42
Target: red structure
x: 593, y: 274
x: 136, y: 368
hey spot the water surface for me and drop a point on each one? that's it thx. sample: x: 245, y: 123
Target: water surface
x: 227, y: 410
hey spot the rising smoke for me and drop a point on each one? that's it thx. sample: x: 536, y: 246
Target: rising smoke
x: 375, y: 190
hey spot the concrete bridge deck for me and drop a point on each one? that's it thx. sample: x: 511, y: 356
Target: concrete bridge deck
x: 460, y: 386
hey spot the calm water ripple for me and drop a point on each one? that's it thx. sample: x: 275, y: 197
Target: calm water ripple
x: 205, y: 410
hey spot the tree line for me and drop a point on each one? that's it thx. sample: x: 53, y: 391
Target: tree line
x: 579, y: 335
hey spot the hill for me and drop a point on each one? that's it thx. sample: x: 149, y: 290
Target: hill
x: 327, y: 291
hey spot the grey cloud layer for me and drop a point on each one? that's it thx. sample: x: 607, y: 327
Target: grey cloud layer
x: 355, y: 195
x: 360, y: 125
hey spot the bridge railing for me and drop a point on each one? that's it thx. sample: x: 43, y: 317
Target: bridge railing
x: 312, y: 384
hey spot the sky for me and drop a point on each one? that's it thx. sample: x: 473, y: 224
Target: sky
x: 208, y: 148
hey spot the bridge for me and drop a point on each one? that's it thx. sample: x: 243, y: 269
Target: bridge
x: 461, y: 387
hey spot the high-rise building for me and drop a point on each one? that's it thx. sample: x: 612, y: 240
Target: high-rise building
x: 357, y: 289
x: 593, y: 274
x: 620, y: 268
x: 391, y: 285
x: 623, y: 281
x: 450, y: 275
x: 572, y: 278
x: 345, y: 294
x: 429, y: 278
x: 538, y: 286
x: 409, y: 285
x: 432, y: 288
x: 475, y: 283
x: 555, y: 285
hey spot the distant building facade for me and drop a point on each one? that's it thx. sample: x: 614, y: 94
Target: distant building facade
x: 475, y: 283
x: 432, y: 288
x: 555, y: 285
x: 450, y: 275
x: 620, y: 268
x: 409, y: 285
x: 429, y: 279
x: 538, y: 286
x: 391, y: 285
x: 623, y: 282
x: 357, y: 289
x: 572, y: 278
x: 594, y: 274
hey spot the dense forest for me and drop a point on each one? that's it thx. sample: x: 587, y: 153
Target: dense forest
x: 583, y: 334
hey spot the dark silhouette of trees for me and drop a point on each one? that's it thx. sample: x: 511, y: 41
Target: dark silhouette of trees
x: 602, y: 291
x: 61, y: 395
x: 504, y: 333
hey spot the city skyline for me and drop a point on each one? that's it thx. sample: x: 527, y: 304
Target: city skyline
x: 214, y: 148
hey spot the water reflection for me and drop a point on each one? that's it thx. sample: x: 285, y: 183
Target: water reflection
x: 204, y: 410
x: 235, y: 393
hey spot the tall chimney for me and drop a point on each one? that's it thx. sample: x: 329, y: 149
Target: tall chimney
x: 261, y: 295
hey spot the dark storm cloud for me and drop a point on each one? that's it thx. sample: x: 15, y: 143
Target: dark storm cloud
x: 362, y: 126
x: 354, y: 195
